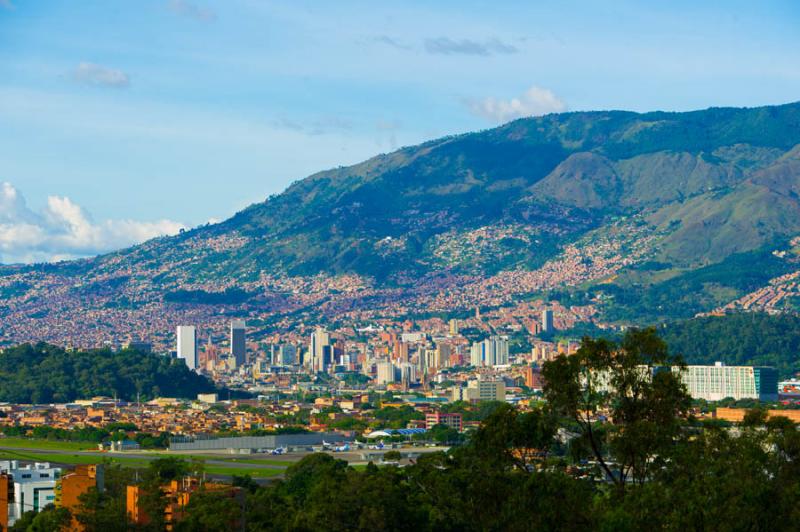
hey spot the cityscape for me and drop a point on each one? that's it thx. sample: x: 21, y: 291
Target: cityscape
x: 426, y: 266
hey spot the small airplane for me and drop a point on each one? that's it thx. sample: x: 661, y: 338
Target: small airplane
x: 336, y: 448
x: 279, y: 450
x: 378, y: 447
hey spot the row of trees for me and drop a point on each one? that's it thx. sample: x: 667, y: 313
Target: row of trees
x: 614, y: 448
x: 44, y: 373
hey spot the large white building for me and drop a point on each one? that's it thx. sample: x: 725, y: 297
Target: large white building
x: 717, y: 382
x: 187, y: 344
x: 490, y: 352
x: 34, y: 487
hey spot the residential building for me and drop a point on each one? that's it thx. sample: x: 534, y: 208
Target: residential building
x: 75, y: 484
x: 452, y: 420
x: 178, y: 494
x: 491, y: 352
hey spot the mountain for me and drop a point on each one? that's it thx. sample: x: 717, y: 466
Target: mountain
x: 688, y: 211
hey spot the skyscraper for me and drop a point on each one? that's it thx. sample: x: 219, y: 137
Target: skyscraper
x: 490, y: 352
x: 320, y: 340
x: 238, y: 347
x: 187, y: 345
x: 547, y: 320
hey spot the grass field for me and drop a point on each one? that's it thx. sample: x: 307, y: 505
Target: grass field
x: 76, y: 459
x: 28, y: 443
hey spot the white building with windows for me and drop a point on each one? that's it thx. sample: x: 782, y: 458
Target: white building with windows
x: 717, y: 382
x: 491, y: 352
x: 187, y: 345
x: 34, y: 487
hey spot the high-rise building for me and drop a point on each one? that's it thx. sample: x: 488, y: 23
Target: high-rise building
x: 385, y: 372
x: 453, y: 327
x: 187, y: 345
x: 287, y: 354
x: 238, y: 346
x: 547, y: 320
x: 320, y: 350
x: 491, y: 352
x: 442, y: 357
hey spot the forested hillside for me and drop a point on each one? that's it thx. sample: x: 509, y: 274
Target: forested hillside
x: 44, y: 373
x: 739, y: 339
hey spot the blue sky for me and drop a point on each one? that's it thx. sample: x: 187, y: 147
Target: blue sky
x: 123, y: 119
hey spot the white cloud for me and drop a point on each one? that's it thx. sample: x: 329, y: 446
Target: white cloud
x: 6, y: 4
x: 187, y: 9
x: 100, y: 76
x: 62, y: 229
x: 535, y: 101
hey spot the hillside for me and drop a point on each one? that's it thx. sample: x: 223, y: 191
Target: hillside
x: 738, y: 339
x: 44, y: 373
x: 619, y: 203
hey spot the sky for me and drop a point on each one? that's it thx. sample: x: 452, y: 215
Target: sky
x: 123, y: 120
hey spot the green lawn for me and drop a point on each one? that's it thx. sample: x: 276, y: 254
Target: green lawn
x: 30, y: 443
x: 76, y: 459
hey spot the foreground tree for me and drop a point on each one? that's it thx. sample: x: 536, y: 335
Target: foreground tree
x: 626, y: 403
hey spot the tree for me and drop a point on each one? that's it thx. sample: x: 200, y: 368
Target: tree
x: 631, y: 384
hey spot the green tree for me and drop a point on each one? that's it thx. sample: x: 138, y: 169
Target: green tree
x: 632, y: 384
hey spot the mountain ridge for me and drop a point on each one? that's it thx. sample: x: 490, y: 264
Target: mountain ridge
x: 596, y: 192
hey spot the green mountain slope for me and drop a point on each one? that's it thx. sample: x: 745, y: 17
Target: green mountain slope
x: 643, y: 205
x: 560, y: 174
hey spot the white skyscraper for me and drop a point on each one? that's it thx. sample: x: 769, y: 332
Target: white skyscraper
x: 187, y: 345
x: 491, y: 352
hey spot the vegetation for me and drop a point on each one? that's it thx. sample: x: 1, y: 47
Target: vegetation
x: 641, y: 462
x: 739, y: 339
x: 44, y: 373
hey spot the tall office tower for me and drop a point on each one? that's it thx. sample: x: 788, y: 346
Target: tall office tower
x: 320, y: 339
x: 490, y: 352
x: 238, y: 347
x: 385, y: 372
x: 442, y: 355
x: 187, y: 344
x: 287, y: 354
x: 547, y: 321
x: 476, y: 354
x: 454, y: 327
